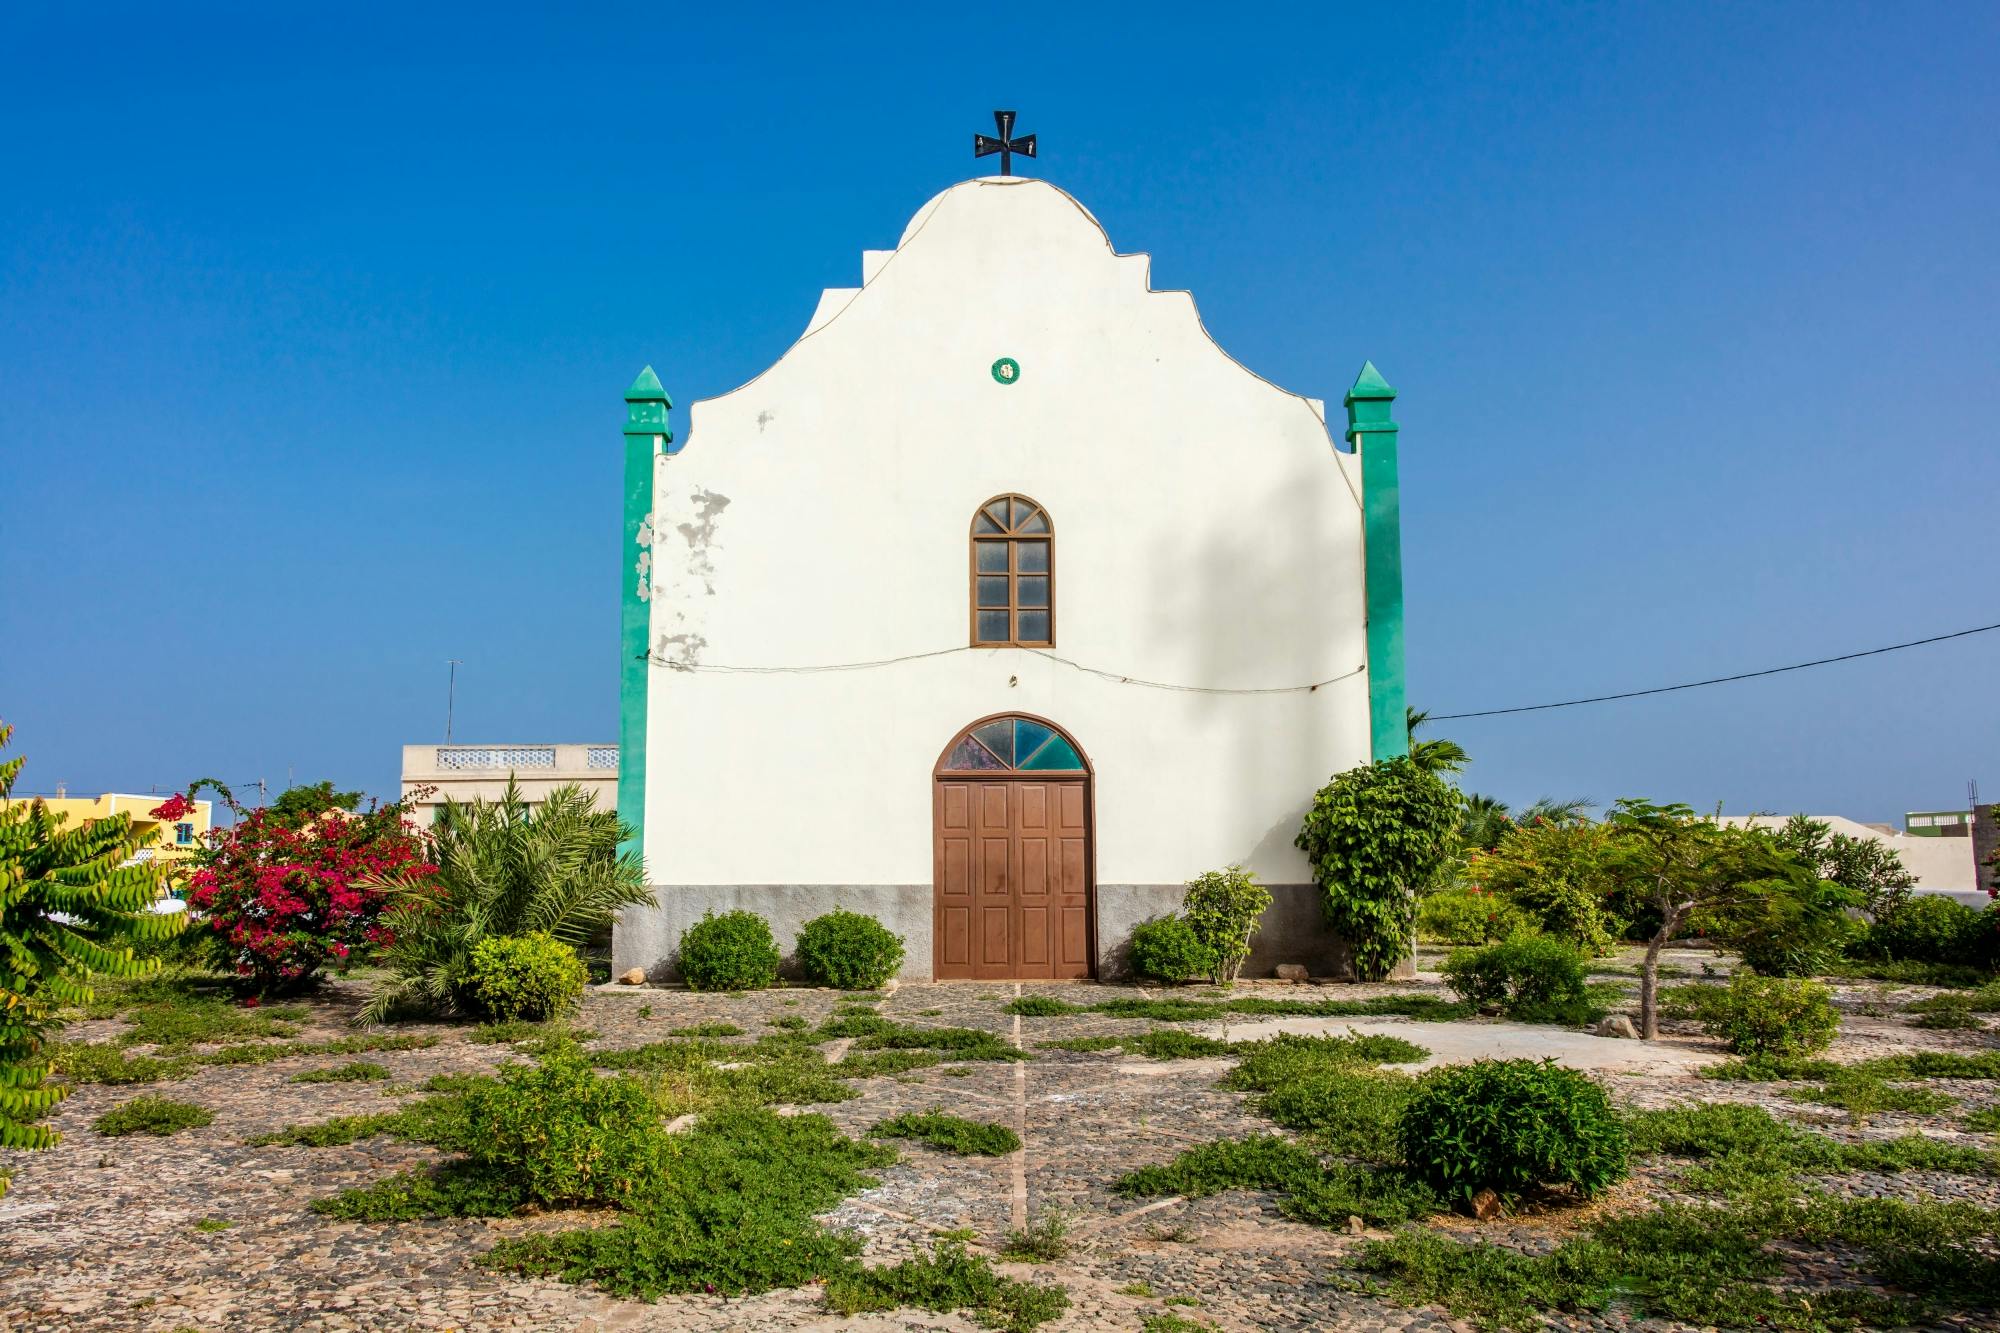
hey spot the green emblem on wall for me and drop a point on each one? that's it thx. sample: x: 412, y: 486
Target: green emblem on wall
x: 1006, y: 370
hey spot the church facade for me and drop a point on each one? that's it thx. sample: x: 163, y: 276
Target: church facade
x: 1001, y: 605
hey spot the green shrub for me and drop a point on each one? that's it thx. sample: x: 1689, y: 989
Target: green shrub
x: 1376, y: 837
x: 355, y: 1071
x: 563, y: 1134
x: 967, y: 1138
x: 1468, y: 916
x: 1510, y: 1126
x: 848, y: 951
x: 1040, y: 1006
x: 731, y: 952
x: 1532, y: 978
x: 1766, y: 1015
x: 1224, y: 908
x: 1927, y: 928
x: 947, y: 1279
x: 1167, y: 950
x: 1558, y: 871
x: 532, y: 977
x: 158, y: 1116
x: 1800, y: 934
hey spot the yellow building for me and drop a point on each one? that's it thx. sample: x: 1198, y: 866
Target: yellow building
x: 176, y: 838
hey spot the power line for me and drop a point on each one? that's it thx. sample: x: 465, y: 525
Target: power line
x: 1116, y: 677
x: 1719, y: 680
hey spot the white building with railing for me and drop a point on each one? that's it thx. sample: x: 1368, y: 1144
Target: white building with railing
x: 462, y: 772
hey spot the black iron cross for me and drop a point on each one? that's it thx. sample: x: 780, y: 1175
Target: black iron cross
x: 985, y: 145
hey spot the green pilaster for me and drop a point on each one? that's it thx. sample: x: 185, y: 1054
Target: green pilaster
x: 1373, y: 435
x: 647, y: 432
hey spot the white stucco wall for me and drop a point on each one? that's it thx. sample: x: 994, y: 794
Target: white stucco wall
x: 1207, y: 533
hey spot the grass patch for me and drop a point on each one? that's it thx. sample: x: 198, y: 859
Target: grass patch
x: 944, y: 1280
x: 355, y: 1071
x: 1744, y: 1147
x: 520, y: 1029
x: 1042, y: 1006
x: 1169, y: 1322
x: 1985, y: 1121
x: 158, y: 1116
x: 1083, y: 1044
x: 1317, y: 1193
x: 705, y: 1030
x: 337, y: 1132
x: 967, y: 1138
x: 100, y: 1062
x: 1952, y: 975
x: 1170, y: 1044
x: 1041, y: 1242
x: 210, y: 1225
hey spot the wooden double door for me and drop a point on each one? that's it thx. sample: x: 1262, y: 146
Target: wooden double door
x: 1012, y: 877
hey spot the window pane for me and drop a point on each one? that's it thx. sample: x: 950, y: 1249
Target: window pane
x: 998, y: 511
x: 1034, y: 591
x: 1031, y: 557
x: 1021, y: 511
x: 970, y: 754
x: 997, y: 737
x: 1035, y: 522
x: 991, y: 556
x: 1057, y: 754
x: 984, y: 523
x: 1034, y: 626
x: 993, y: 627
x: 993, y: 592
x: 1028, y: 737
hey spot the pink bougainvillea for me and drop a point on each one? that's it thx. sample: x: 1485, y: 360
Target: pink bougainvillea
x: 283, y: 898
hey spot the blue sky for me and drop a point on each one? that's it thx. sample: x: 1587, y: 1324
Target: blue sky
x: 314, y: 323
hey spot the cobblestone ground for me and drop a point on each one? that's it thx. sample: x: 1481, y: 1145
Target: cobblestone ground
x: 99, y: 1233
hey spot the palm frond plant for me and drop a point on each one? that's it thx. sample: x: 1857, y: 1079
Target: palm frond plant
x: 1439, y: 756
x: 503, y: 868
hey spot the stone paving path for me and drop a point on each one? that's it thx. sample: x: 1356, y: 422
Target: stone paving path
x: 99, y: 1233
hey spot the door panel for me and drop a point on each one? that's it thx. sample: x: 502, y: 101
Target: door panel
x: 1012, y: 866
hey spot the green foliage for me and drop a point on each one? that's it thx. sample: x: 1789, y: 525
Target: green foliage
x: 1951, y: 1012
x: 209, y: 1225
x: 73, y: 902
x: 532, y: 977
x: 1744, y: 1146
x: 731, y: 952
x: 848, y: 951
x: 158, y: 1116
x: 1170, y: 1044
x: 1376, y: 837
x: 1924, y: 928
x: 1764, y: 1016
x: 1559, y: 872
x: 1044, y: 1241
x: 563, y: 1134
x: 1041, y: 1006
x: 503, y: 868
x: 1510, y: 1126
x: 1428, y: 1008
x: 1467, y: 916
x: 950, y: 1133
x: 334, y: 1133
x: 1167, y: 950
x: 1906, y: 973
x: 1328, y: 1089
x: 1082, y: 1044
x: 1802, y: 934
x: 304, y: 803
x: 1224, y: 908
x: 946, y: 1279
x: 355, y: 1071
x: 1868, y: 866
x: 1532, y: 978
x: 1323, y: 1195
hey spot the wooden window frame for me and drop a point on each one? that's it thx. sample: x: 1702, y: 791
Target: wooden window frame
x: 1014, y: 539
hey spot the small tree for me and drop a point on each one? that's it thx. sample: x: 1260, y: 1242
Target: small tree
x: 1376, y: 837
x: 73, y: 901
x: 1223, y: 908
x: 1868, y: 866
x: 1694, y: 874
x: 1555, y: 869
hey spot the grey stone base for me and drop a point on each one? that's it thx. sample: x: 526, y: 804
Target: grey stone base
x: 649, y: 937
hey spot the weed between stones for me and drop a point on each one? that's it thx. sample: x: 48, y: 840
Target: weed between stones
x: 355, y: 1071
x: 967, y: 1138
x: 157, y: 1116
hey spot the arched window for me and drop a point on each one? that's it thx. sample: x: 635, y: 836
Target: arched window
x: 1013, y: 575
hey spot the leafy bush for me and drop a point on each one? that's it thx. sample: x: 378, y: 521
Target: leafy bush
x: 1224, y: 908
x: 731, y: 952
x: 501, y: 868
x: 1803, y: 935
x: 1764, y: 1016
x: 967, y: 1138
x: 532, y: 977
x: 848, y: 951
x: 947, y: 1279
x: 158, y: 1116
x: 1925, y: 928
x: 1510, y: 1126
x: 287, y: 892
x: 1376, y: 837
x: 1168, y: 951
x: 1533, y: 978
x: 563, y: 1134
x: 73, y: 901
x: 1467, y: 916
x: 1559, y: 872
